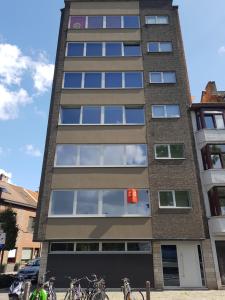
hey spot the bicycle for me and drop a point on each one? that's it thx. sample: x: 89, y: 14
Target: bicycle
x: 45, y: 289
x: 98, y: 290
x: 129, y: 293
x: 74, y: 292
x: 16, y: 289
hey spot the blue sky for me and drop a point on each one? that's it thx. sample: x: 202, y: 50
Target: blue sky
x: 28, y: 37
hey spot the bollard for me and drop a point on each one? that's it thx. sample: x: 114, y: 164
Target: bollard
x: 26, y: 293
x: 148, y: 285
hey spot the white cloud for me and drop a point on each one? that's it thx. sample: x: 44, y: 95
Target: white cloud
x: 221, y: 50
x: 31, y: 150
x: 7, y: 174
x: 14, y: 65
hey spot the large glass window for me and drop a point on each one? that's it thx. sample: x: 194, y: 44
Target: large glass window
x: 113, y: 80
x: 65, y: 247
x: 66, y: 155
x: 142, y: 207
x: 136, y: 155
x: 169, y: 151
x: 133, y: 80
x: 131, y: 22
x: 113, y: 21
x: 114, y: 155
x: 95, y: 22
x: 174, y: 199
x: 113, y: 115
x: 159, y: 47
x: 77, y: 22
x: 134, y: 115
x: 75, y: 49
x: 113, y: 49
x: 72, y: 80
x: 113, y: 246
x: 166, y: 111
x: 91, y: 115
x: 62, y: 203
x: 94, y: 49
x: 70, y: 115
x: 139, y: 246
x: 87, y: 247
x: 132, y: 49
x: 93, y: 80
x: 154, y: 20
x: 87, y: 202
x: 90, y: 155
x: 113, y: 203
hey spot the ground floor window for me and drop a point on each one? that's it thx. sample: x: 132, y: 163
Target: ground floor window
x: 12, y: 256
x: 26, y: 254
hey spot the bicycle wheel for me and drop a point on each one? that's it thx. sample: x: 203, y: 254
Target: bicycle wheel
x: 135, y: 295
x: 68, y: 296
x: 52, y: 295
x: 100, y: 296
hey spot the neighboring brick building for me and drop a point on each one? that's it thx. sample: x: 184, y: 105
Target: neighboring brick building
x: 120, y: 120
x: 24, y: 204
x: 208, y: 119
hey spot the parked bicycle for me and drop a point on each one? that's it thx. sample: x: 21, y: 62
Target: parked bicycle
x: 97, y: 292
x: 129, y: 293
x: 45, y: 289
x: 16, y: 289
x: 75, y: 292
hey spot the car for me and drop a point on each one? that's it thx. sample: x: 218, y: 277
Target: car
x: 31, y: 270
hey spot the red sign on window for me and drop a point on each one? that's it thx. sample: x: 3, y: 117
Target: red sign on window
x: 132, y: 196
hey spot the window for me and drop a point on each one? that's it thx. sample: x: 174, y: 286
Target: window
x: 113, y: 203
x: 132, y: 49
x: 93, y: 155
x: 92, y: 80
x: 160, y: 47
x: 31, y: 223
x: 113, y: 22
x: 72, y: 80
x: 91, y: 115
x: 94, y: 49
x: 75, y: 49
x: 213, y: 156
x: 154, y: 20
x: 131, y: 22
x: 174, y: 199
x: 103, y: 203
x: 66, y: 155
x: 113, y: 115
x: 166, y: 111
x: 26, y: 254
x: 70, y: 115
x: 87, y: 202
x: 217, y: 201
x: 133, y: 80
x: 113, y: 49
x: 77, y: 22
x: 134, y: 115
x: 172, y: 151
x: 113, y: 80
x: 102, y: 115
x: 65, y: 247
x: 99, y: 247
x: 95, y: 22
x: 162, y: 77
x: 62, y: 203
x: 210, y: 119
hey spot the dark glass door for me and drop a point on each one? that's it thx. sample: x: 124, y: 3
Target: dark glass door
x: 170, y: 265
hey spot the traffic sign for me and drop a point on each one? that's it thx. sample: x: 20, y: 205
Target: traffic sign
x: 2, y: 239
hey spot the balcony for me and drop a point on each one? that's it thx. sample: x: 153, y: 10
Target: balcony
x: 217, y: 226
x: 213, y: 177
x: 205, y: 136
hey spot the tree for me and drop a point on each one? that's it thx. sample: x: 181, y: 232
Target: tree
x: 9, y: 226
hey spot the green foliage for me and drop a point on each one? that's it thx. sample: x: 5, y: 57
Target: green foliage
x: 9, y: 226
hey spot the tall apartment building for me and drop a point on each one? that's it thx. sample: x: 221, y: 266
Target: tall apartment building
x: 209, y: 128
x: 120, y: 132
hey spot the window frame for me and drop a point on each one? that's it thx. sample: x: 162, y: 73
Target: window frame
x: 156, y: 18
x: 174, y: 200
x: 103, y: 80
x: 169, y: 151
x: 165, y: 112
x: 99, y: 205
x: 100, y: 251
x: 81, y: 107
x: 159, y: 47
x: 162, y: 77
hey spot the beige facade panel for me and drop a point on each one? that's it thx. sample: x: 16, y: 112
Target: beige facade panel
x: 104, y: 35
x: 100, y: 178
x: 99, y: 228
x: 101, y: 134
x: 104, y: 8
x: 103, y: 64
x: 102, y: 97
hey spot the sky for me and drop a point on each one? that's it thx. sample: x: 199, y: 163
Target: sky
x: 28, y: 40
